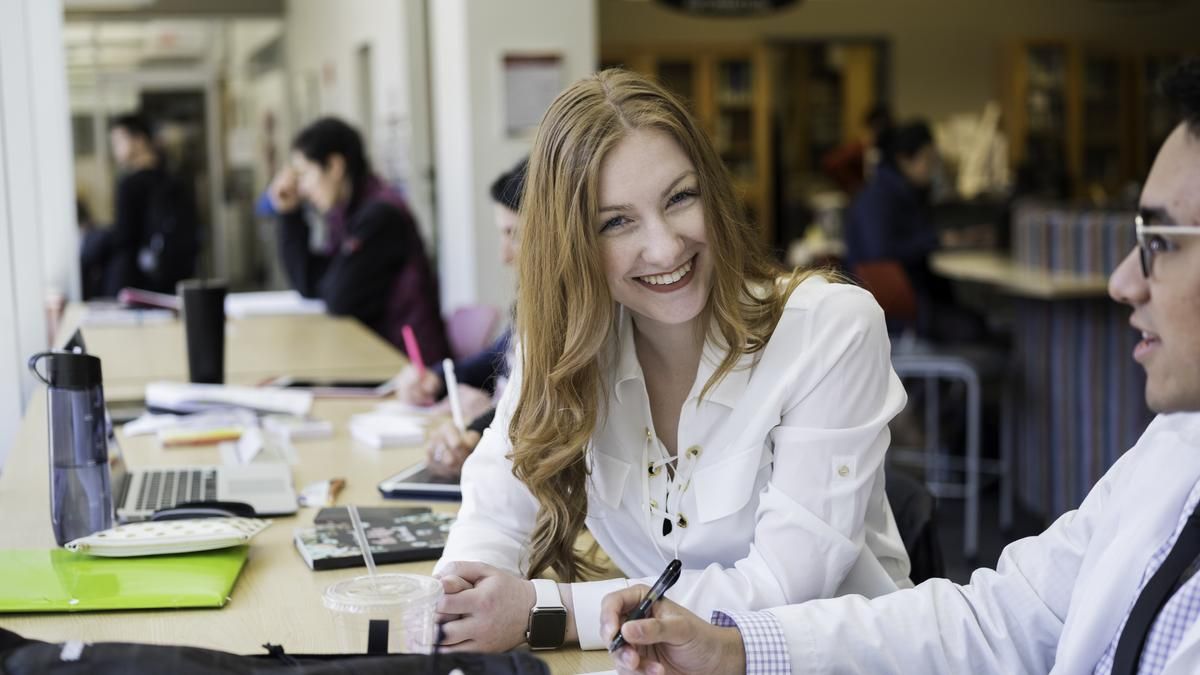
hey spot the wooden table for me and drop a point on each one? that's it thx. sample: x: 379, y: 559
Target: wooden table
x: 277, y: 598
x: 256, y: 348
x: 999, y: 270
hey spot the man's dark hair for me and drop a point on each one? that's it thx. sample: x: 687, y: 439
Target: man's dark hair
x: 905, y: 141
x: 507, y: 188
x: 134, y: 124
x: 1182, y: 88
x: 329, y: 136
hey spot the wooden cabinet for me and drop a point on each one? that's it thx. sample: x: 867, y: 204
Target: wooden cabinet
x: 1086, y: 116
x: 1153, y: 118
x: 728, y: 89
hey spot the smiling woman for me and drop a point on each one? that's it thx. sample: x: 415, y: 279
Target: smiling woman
x: 674, y: 390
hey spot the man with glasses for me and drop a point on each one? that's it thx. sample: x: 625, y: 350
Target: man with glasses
x: 1108, y: 589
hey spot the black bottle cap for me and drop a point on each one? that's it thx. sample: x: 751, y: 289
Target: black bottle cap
x: 71, y: 371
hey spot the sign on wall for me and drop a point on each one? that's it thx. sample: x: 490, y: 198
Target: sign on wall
x: 531, y: 81
x: 728, y: 7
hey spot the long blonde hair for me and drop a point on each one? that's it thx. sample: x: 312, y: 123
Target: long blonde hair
x: 565, y: 315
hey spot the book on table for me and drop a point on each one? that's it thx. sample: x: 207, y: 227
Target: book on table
x: 396, y: 534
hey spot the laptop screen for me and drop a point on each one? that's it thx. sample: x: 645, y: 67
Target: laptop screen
x: 116, y: 464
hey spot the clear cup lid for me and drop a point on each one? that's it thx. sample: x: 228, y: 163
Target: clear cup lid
x: 382, y: 592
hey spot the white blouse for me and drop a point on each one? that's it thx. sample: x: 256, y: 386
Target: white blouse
x: 777, y: 495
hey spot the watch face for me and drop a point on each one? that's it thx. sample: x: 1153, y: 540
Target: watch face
x: 547, y: 628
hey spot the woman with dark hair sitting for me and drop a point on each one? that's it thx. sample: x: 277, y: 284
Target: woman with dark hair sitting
x: 373, y: 267
x: 892, y: 220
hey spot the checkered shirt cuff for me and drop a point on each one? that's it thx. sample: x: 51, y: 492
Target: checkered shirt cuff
x: 763, y: 638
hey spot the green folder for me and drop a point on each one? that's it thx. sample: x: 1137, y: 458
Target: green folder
x: 57, y: 580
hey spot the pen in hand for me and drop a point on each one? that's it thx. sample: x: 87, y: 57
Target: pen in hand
x: 414, y: 350
x: 660, y: 587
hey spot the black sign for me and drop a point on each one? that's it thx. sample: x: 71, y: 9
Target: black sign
x: 728, y: 7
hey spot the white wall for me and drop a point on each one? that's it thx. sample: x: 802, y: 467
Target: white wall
x: 323, y: 41
x: 469, y: 41
x: 946, y: 54
x: 38, y: 241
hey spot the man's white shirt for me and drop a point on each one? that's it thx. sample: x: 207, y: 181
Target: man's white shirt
x: 1053, y: 605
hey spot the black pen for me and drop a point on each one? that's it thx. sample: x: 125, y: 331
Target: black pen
x: 659, y: 589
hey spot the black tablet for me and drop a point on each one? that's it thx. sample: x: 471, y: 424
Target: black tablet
x: 336, y: 388
x: 418, y: 482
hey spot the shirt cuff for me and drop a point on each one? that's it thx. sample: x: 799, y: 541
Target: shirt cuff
x: 763, y: 639
x: 586, y: 597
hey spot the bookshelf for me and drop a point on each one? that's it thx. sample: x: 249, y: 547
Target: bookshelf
x: 1087, y: 114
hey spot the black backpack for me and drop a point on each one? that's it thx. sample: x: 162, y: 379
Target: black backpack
x: 171, y: 242
x: 21, y: 656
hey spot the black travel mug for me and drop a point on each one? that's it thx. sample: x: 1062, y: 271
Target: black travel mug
x: 202, y: 302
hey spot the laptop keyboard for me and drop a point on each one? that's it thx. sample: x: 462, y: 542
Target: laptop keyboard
x: 164, y: 488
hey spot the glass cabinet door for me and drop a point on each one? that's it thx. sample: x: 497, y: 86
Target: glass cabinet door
x: 735, y: 130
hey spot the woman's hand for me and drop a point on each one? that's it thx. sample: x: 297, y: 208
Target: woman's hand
x: 418, y: 388
x: 672, y: 641
x: 284, y: 191
x: 491, y: 615
x: 447, y: 449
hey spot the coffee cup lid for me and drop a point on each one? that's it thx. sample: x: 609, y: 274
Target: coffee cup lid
x: 382, y: 593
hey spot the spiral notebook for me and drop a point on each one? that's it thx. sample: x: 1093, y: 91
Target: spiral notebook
x: 57, y: 580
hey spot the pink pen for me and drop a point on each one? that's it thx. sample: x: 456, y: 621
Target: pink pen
x: 413, y: 349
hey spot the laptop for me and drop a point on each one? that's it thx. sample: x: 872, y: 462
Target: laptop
x: 137, y: 494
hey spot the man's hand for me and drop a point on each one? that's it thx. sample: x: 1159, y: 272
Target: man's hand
x: 672, y: 641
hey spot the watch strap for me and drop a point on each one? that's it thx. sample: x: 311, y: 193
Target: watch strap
x: 548, y: 596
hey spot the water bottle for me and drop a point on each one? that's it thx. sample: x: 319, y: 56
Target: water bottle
x: 81, y: 499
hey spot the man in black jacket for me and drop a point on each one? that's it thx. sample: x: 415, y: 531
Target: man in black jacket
x: 153, y: 238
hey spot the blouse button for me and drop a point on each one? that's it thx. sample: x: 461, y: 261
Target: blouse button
x: 843, y: 471
x: 654, y: 470
x: 693, y: 451
x: 648, y: 434
x: 682, y: 522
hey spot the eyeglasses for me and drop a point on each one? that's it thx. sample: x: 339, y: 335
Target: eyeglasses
x: 1151, y: 240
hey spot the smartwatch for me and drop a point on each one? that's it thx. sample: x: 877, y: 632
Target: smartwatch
x: 548, y: 619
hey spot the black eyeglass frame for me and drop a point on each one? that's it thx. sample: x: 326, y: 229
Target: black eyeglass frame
x: 1145, y: 252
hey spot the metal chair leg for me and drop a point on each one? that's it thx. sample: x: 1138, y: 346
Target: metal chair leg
x: 971, y: 513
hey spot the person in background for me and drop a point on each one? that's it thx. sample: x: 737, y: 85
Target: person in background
x: 94, y: 251
x: 851, y: 164
x: 1109, y: 589
x: 891, y: 219
x: 674, y: 390
x: 374, y: 266
x: 155, y: 239
x: 487, y: 371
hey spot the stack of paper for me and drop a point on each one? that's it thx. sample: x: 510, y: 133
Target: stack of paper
x: 388, y: 430
x: 270, y: 303
x: 112, y: 314
x: 183, y: 397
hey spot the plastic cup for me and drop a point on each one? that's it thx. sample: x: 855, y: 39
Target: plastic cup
x: 385, y: 613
